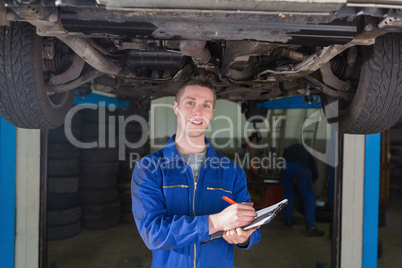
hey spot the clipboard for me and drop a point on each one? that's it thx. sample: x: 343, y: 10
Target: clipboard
x: 264, y: 216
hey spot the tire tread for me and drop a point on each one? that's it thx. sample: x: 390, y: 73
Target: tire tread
x: 382, y: 104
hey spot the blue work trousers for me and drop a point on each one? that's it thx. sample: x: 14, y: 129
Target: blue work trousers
x: 305, y: 184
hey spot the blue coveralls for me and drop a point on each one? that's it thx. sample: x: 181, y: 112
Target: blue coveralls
x: 299, y: 165
x: 171, y: 209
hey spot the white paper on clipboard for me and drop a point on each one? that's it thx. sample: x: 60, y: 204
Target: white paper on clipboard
x: 265, y: 215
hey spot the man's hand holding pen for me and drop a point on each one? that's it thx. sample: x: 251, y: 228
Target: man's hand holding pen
x: 231, y: 219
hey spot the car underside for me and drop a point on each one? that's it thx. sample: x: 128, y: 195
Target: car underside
x: 249, y: 50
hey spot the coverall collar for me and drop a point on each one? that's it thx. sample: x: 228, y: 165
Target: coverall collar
x: 171, y: 154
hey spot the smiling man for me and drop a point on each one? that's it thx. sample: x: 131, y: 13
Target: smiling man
x: 194, y: 106
x: 177, y: 192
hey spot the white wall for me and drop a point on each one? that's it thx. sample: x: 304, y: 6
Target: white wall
x: 162, y: 120
x: 296, y: 118
x: 227, y: 117
x: 229, y: 122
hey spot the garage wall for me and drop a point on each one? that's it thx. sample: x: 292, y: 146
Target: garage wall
x: 162, y: 120
x: 296, y: 123
x: 228, y: 122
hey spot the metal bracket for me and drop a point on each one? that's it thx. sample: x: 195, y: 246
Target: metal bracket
x: 390, y: 22
x: 327, y: 90
x: 319, y: 59
x: 73, y: 72
x: 331, y: 80
x: 3, y: 15
x: 74, y: 84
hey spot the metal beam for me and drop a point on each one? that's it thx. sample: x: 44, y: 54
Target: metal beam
x: 296, y: 102
x: 96, y: 99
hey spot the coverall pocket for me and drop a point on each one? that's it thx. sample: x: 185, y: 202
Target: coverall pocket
x: 176, y: 195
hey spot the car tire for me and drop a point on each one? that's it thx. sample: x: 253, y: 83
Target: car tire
x: 62, y: 232
x: 127, y: 217
x: 63, y: 217
x: 99, y: 169
x: 376, y: 104
x: 100, y: 224
x: 23, y: 98
x: 98, y: 155
x: 63, y: 167
x: 58, y: 135
x: 91, y: 131
x: 63, y: 151
x: 99, y: 196
x: 62, y: 201
x: 97, y: 182
x: 101, y: 211
x: 124, y: 174
x: 63, y: 185
x: 125, y: 192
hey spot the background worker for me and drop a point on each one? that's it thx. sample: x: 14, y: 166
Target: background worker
x: 300, y: 165
x: 177, y: 192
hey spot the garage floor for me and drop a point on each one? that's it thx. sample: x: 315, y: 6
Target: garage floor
x: 121, y: 246
x: 391, y: 233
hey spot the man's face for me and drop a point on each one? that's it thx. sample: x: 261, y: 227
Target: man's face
x: 194, y: 110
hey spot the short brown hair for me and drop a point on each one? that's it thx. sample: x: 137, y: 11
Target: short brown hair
x: 200, y: 83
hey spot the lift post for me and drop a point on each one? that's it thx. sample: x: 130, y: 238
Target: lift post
x: 7, y: 193
x: 360, y: 200
x: 371, y: 200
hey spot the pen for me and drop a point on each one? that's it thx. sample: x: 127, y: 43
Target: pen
x: 227, y: 199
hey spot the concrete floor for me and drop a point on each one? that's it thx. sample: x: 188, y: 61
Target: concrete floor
x: 391, y: 233
x: 122, y: 247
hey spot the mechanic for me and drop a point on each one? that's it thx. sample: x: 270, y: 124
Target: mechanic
x: 177, y: 192
x: 300, y: 165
